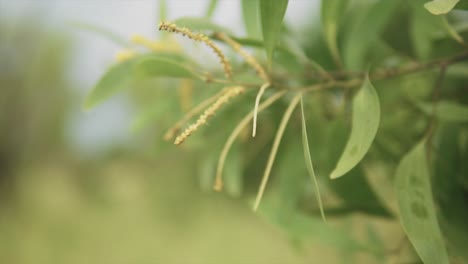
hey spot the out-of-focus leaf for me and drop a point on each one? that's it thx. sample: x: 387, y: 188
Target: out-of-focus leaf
x: 422, y: 28
x: 162, y: 10
x: 114, y: 37
x: 161, y: 67
x: 364, y: 201
x: 355, y: 48
x: 115, y: 79
x: 417, y: 209
x: 446, y: 111
x: 200, y: 23
x: 233, y: 172
x: 211, y: 8
x: 366, y: 119
x: 439, y: 7
x: 375, y: 240
x: 447, y: 185
x: 250, y: 14
x: 331, y: 13
x: 310, y: 228
x: 150, y: 114
x: 271, y: 15
x: 308, y: 161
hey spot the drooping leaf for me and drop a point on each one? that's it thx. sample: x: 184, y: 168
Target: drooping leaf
x: 115, y: 79
x: 250, y: 14
x: 271, y: 16
x: 162, y: 67
x: 331, y: 13
x: 308, y: 161
x: 417, y: 209
x: 365, y: 123
x: 439, y: 7
x: 446, y: 111
x: 200, y: 23
x: 211, y: 8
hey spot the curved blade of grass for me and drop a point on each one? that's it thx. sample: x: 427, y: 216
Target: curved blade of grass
x: 271, y: 15
x: 417, y: 209
x: 274, y: 149
x: 365, y: 123
x: 308, y: 160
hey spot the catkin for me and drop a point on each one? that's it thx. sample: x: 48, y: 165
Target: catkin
x: 171, y: 27
x: 209, y: 112
x: 248, y: 57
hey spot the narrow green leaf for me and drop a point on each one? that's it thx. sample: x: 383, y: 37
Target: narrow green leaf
x: 446, y: 111
x: 161, y: 67
x: 439, y: 7
x: 162, y: 10
x: 366, y: 119
x: 308, y: 160
x: 271, y: 17
x: 331, y: 13
x: 250, y: 14
x: 211, y: 8
x: 200, y: 24
x: 417, y: 209
x: 115, y: 79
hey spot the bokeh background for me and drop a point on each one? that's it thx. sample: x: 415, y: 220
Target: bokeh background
x: 80, y: 186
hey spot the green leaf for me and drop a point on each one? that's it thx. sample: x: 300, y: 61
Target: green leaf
x: 446, y: 111
x: 331, y: 13
x: 304, y: 227
x: 250, y: 13
x: 439, y: 7
x: 417, y: 210
x: 366, y: 119
x: 355, y: 48
x: 233, y: 180
x: 115, y: 79
x: 211, y: 8
x: 150, y: 114
x: 200, y: 24
x: 271, y: 15
x: 162, y: 67
x: 308, y: 160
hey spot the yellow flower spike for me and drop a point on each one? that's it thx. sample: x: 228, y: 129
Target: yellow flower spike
x: 209, y: 112
x: 248, y: 57
x: 171, y: 27
x: 125, y: 54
